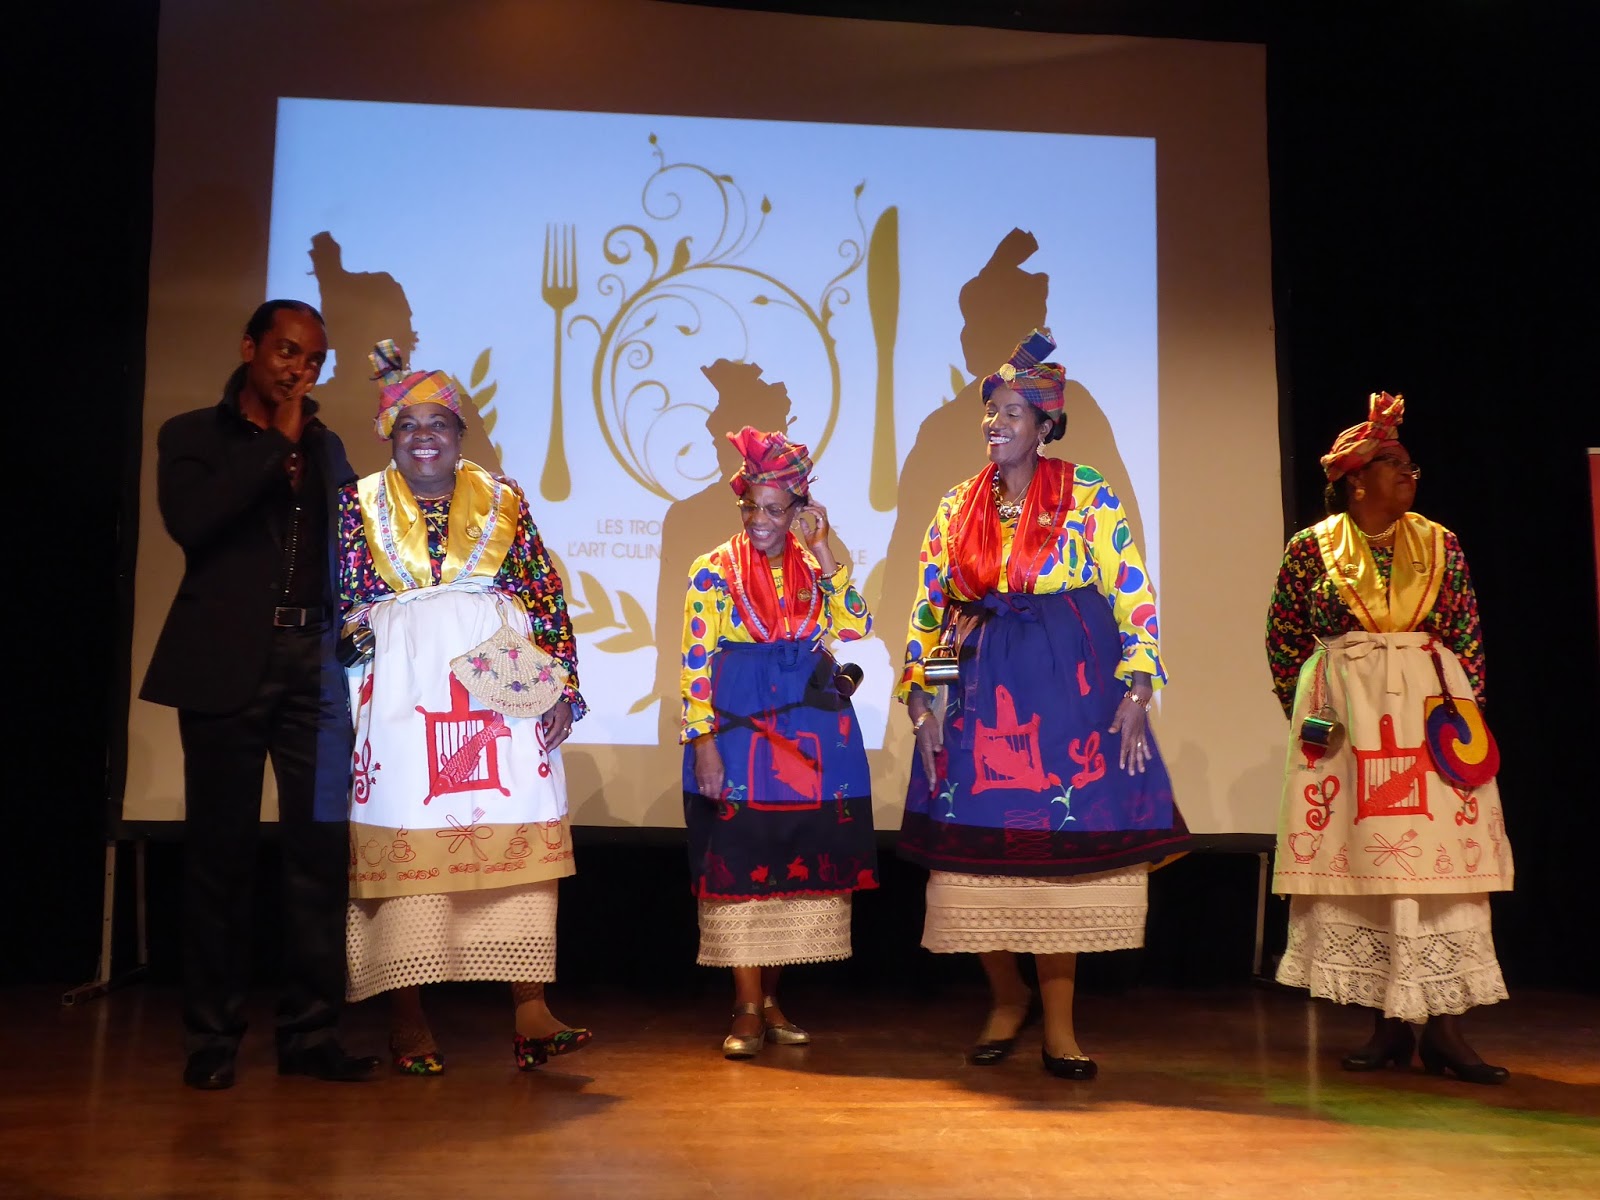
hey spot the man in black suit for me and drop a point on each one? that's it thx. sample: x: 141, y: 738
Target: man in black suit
x: 248, y: 489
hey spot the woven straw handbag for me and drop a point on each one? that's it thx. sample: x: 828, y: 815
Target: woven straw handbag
x: 511, y: 675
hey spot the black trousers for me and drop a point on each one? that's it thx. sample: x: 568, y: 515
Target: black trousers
x: 292, y: 720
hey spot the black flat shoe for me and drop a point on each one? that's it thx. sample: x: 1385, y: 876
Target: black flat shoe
x: 329, y: 1062
x: 1073, y: 1066
x: 993, y: 1053
x: 1436, y: 1062
x: 1397, y: 1050
x: 210, y: 1069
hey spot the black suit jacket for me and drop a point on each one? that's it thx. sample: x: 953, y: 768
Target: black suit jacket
x: 215, y: 475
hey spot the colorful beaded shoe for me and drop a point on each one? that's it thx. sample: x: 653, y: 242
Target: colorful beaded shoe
x: 428, y: 1062
x: 431, y: 1063
x: 531, y: 1053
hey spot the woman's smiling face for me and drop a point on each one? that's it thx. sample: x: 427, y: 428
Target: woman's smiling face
x: 1011, y: 428
x: 427, y: 443
x: 767, y: 513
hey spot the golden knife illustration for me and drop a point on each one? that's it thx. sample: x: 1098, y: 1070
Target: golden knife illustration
x: 883, y: 306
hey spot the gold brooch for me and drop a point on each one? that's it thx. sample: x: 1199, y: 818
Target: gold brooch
x: 1007, y: 372
x: 1350, y: 569
x: 1044, y: 521
x: 474, y: 532
x: 803, y: 595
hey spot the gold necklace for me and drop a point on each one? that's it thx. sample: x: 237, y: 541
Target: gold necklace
x: 1382, y: 536
x: 1008, y: 511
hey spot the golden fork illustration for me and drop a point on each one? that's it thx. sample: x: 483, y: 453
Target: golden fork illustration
x: 559, y: 288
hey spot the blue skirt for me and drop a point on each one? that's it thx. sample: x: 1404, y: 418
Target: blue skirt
x: 795, y: 816
x: 1028, y: 781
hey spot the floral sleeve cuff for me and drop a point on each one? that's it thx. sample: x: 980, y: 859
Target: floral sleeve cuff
x: 574, y: 697
x: 838, y: 581
x: 1142, y: 656
x: 700, y: 727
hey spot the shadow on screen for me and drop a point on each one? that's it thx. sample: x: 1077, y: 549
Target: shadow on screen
x: 1000, y: 305
x: 361, y: 309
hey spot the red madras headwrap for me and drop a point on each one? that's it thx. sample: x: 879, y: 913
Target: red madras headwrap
x: 1042, y: 384
x: 770, y: 460
x: 403, y: 387
x: 1359, y: 445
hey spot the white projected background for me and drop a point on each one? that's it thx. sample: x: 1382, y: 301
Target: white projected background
x: 694, y: 240
x: 770, y: 217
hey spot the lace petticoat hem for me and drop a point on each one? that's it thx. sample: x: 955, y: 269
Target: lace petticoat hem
x: 774, y: 933
x: 1086, y: 914
x: 405, y: 941
x: 1411, y: 957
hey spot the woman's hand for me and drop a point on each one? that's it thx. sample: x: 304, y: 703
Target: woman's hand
x: 557, y: 724
x: 1132, y: 721
x: 708, y: 772
x: 929, y: 735
x: 814, y: 530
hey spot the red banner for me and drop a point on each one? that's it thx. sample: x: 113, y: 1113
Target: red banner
x: 1594, y: 500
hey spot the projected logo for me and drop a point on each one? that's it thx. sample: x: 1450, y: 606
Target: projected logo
x: 711, y: 288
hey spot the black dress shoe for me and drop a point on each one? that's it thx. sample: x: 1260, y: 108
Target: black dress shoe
x: 1072, y: 1066
x: 1436, y: 1062
x: 992, y: 1054
x: 327, y: 1061
x: 210, y: 1069
x: 1397, y: 1050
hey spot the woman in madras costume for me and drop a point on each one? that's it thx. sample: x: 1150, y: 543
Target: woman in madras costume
x: 1037, y: 796
x: 776, y: 793
x: 1391, y: 834
x: 458, y: 819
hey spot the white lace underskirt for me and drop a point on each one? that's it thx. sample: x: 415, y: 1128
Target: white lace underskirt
x: 1412, y: 956
x: 497, y: 933
x: 774, y: 933
x: 1079, y: 914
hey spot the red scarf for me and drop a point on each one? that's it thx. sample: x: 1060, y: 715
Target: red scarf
x: 756, y: 595
x: 975, y: 531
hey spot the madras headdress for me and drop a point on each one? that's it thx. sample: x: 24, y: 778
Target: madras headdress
x: 1042, y: 384
x: 770, y: 460
x: 1359, y: 445
x: 403, y: 387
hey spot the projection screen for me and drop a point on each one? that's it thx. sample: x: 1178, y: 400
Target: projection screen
x: 836, y: 224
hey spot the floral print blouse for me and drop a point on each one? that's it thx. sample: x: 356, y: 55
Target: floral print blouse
x: 1306, y: 606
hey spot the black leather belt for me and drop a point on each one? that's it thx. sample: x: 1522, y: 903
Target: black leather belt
x: 284, y: 617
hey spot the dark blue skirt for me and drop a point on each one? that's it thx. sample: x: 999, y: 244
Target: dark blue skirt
x: 795, y: 816
x: 1028, y: 781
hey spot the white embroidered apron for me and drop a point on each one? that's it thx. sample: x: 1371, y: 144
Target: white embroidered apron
x: 447, y: 795
x: 1370, y: 816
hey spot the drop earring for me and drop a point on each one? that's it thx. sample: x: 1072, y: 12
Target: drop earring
x: 1039, y: 449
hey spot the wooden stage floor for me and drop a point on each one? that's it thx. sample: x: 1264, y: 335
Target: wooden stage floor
x: 1232, y: 1095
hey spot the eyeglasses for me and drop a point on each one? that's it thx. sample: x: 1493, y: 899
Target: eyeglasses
x: 1401, y: 466
x: 775, y: 512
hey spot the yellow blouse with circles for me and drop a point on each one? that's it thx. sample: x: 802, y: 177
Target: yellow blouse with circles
x: 1094, y: 548
x: 710, y: 619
